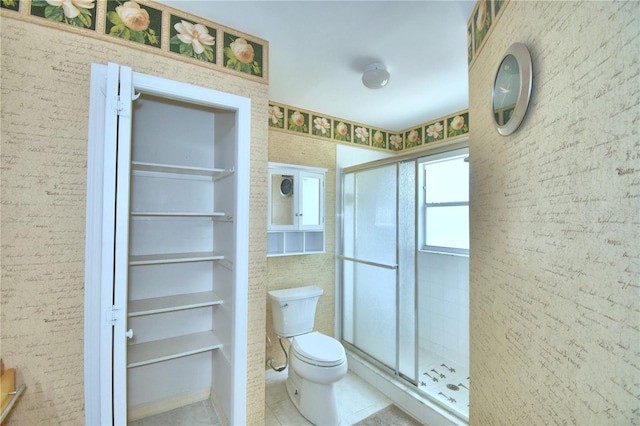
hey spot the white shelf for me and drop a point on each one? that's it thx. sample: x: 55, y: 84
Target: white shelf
x: 153, y: 259
x: 184, y: 170
x: 175, y: 347
x: 290, y: 243
x: 178, y: 302
x: 181, y: 214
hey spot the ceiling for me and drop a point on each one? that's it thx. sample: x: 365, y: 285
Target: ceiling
x: 318, y: 50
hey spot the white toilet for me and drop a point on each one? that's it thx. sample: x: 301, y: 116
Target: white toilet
x: 316, y: 361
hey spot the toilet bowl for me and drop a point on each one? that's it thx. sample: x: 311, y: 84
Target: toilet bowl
x: 316, y: 361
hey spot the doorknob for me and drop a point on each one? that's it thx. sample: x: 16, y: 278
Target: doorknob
x: 129, y: 333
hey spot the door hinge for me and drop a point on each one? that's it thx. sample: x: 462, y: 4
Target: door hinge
x: 112, y: 315
x: 116, y: 105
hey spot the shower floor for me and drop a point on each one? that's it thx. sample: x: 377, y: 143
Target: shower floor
x: 439, y: 378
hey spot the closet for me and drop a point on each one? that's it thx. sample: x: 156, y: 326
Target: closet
x: 174, y: 245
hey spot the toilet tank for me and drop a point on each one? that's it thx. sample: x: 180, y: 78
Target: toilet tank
x: 294, y: 310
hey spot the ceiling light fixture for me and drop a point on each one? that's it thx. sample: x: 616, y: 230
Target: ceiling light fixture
x: 375, y: 76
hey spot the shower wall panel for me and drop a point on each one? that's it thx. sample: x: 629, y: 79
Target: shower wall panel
x: 370, y: 276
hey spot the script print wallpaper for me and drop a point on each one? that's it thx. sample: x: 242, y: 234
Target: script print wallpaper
x: 44, y: 117
x: 555, y: 259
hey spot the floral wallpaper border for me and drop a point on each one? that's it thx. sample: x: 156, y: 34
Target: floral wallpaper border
x: 484, y: 17
x: 157, y: 28
x: 291, y: 119
x: 150, y: 26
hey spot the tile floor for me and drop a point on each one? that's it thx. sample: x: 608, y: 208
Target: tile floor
x: 357, y: 400
x: 200, y: 413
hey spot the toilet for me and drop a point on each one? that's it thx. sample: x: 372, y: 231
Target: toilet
x: 316, y: 361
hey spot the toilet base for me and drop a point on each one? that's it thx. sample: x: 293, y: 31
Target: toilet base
x: 316, y: 402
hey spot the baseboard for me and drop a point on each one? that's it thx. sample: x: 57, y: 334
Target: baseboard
x: 157, y: 407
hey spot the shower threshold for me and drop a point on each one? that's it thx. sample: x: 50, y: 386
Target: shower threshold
x: 421, y: 405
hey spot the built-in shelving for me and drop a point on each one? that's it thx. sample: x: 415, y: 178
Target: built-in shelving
x: 283, y: 243
x: 186, y: 170
x: 174, y: 347
x: 181, y: 252
x: 157, y: 305
x: 150, y: 259
x: 173, y: 245
x: 213, y: 215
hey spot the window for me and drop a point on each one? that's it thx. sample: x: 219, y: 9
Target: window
x: 445, y: 205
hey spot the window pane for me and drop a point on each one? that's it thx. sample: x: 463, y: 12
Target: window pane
x: 448, y: 227
x: 447, y: 181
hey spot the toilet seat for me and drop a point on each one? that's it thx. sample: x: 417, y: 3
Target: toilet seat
x: 317, y: 349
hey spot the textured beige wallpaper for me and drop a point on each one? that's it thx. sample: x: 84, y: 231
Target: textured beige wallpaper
x: 311, y: 269
x: 555, y: 253
x: 44, y: 107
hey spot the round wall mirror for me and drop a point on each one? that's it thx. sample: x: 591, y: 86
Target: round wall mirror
x: 512, y: 88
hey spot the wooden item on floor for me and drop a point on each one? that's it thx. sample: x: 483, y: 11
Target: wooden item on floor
x: 8, y: 391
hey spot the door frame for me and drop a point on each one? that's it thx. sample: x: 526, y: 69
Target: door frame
x: 100, y: 214
x: 93, y: 246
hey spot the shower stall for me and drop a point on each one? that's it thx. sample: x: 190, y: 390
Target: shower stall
x: 405, y: 272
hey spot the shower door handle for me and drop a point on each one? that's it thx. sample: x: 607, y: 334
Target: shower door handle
x: 365, y: 262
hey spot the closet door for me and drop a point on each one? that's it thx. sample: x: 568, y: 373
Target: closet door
x: 105, y: 310
x: 122, y: 104
x: 100, y: 315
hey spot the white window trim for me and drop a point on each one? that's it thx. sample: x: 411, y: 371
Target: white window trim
x: 443, y: 156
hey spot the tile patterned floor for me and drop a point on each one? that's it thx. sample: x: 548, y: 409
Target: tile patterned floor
x: 392, y: 415
x: 357, y: 400
x: 200, y: 413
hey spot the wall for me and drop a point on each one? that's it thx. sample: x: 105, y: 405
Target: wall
x: 555, y: 259
x: 311, y: 269
x: 45, y: 99
x: 443, y: 306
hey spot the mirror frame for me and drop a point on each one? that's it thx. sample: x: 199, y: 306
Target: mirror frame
x: 522, y: 56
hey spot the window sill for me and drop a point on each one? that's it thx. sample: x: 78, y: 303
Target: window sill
x: 444, y: 252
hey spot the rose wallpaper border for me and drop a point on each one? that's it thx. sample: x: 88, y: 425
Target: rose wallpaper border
x: 484, y: 18
x: 151, y: 26
x: 290, y: 119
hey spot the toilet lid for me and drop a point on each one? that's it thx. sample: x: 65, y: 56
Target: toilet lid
x: 318, y: 349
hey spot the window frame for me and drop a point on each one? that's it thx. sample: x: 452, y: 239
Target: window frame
x: 424, y: 206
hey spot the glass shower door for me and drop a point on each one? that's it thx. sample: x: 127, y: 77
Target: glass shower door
x: 405, y: 272
x: 369, y: 262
